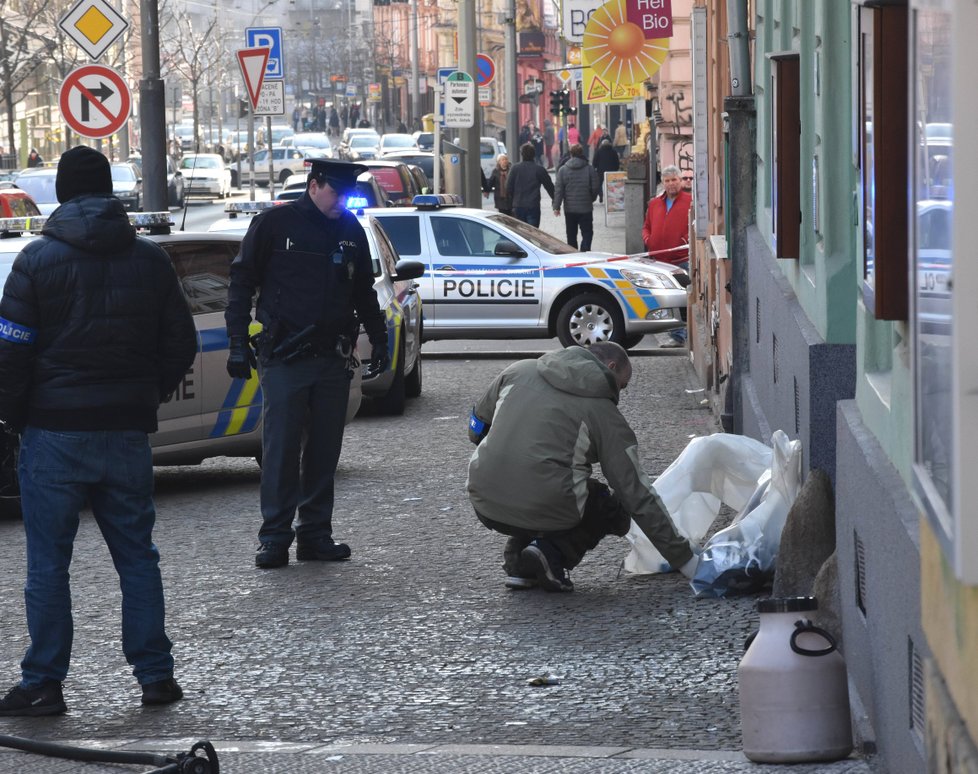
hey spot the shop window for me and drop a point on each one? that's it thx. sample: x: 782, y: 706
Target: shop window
x: 882, y: 135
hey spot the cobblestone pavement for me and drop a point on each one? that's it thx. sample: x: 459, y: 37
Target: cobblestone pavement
x: 411, y: 657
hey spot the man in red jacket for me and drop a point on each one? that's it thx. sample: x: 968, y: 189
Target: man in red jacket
x: 667, y: 225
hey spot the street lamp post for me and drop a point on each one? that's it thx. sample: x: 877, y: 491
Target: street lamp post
x: 152, y: 111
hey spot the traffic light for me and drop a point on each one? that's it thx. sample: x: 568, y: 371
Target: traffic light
x: 556, y: 102
x: 243, y: 108
x: 565, y: 107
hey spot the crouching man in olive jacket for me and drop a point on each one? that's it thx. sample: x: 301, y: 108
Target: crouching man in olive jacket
x: 540, y: 427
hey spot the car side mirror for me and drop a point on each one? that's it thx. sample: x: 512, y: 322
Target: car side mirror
x: 505, y: 247
x: 408, y: 270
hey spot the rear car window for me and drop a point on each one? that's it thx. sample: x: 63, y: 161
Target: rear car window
x: 390, y: 180
x: 404, y: 232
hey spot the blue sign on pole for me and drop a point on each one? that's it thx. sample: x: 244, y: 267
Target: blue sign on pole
x: 270, y: 37
x: 443, y: 73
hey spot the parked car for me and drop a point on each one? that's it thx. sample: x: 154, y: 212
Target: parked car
x: 360, y: 147
x: 396, y: 286
x: 426, y: 161
x: 352, y: 130
x: 206, y: 173
x: 38, y: 182
x: 285, y: 162
x: 174, y: 179
x: 15, y: 203
x: 490, y: 276
x: 368, y: 193
x: 424, y: 140
x: 210, y: 414
x: 127, y: 185
x: 395, y: 142
x: 280, y: 132
x: 395, y: 178
x: 318, y: 140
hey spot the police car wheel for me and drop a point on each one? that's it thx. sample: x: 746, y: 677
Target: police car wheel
x: 588, y: 318
x: 412, y: 382
x: 632, y: 340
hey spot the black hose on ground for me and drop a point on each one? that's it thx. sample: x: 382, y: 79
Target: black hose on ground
x: 182, y: 763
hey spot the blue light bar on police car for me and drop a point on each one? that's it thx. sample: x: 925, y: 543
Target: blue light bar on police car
x: 356, y: 202
x: 436, y: 201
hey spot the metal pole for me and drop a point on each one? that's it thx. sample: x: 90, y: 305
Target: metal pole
x: 415, y: 98
x: 471, y: 184
x: 511, y: 97
x: 739, y: 48
x: 152, y: 111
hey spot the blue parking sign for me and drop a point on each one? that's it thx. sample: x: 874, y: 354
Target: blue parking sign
x: 268, y: 37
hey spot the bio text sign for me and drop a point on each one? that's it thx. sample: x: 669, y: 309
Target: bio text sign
x: 653, y: 17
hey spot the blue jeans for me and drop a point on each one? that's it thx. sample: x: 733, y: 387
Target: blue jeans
x: 303, y: 417
x: 59, y: 472
x: 529, y: 215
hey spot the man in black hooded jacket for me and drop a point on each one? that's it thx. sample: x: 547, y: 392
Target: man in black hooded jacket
x: 95, y: 332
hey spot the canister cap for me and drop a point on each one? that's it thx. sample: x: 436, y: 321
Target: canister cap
x: 787, y: 605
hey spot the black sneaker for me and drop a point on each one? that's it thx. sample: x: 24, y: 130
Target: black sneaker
x: 322, y: 551
x: 270, y: 556
x: 162, y: 692
x: 545, y: 560
x: 47, y: 699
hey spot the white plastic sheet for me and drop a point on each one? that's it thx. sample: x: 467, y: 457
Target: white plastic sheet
x: 712, y: 469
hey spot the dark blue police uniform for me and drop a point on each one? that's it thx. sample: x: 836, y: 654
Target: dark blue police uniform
x: 315, y: 279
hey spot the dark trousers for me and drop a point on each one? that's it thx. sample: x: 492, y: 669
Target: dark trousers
x: 584, y: 220
x: 603, y: 515
x: 529, y: 215
x: 303, y: 416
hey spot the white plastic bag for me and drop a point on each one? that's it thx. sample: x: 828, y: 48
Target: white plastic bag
x: 713, y: 469
x: 741, y: 558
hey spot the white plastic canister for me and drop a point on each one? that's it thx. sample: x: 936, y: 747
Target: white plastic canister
x: 794, y: 699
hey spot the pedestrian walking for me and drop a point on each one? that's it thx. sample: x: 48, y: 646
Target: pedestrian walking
x: 34, y: 158
x: 311, y: 261
x: 96, y: 332
x: 687, y: 179
x: 334, y: 122
x: 573, y: 134
x: 620, y: 141
x: 605, y: 160
x: 577, y: 187
x: 497, y: 185
x: 540, y: 426
x: 523, y: 186
x: 667, y: 225
x: 595, y: 139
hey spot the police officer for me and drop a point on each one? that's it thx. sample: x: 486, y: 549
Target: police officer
x: 310, y: 261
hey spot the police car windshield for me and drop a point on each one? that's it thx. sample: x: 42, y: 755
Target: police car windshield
x: 534, y: 236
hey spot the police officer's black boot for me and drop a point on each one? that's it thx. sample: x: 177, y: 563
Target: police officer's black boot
x: 324, y: 550
x: 270, y: 556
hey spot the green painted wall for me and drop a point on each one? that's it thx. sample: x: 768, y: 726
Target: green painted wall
x: 827, y: 276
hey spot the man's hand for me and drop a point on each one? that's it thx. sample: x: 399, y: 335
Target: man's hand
x: 241, y: 358
x: 557, y: 212
x: 379, y: 359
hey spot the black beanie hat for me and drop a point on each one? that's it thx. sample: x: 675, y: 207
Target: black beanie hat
x: 82, y: 170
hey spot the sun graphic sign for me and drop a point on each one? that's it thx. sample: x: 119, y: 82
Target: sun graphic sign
x: 617, y: 48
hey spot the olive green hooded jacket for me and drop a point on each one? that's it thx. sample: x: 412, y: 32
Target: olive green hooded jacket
x: 544, y: 424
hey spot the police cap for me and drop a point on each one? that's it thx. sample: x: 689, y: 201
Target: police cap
x: 341, y: 175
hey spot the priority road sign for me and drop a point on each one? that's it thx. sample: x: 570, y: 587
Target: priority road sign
x: 252, y: 62
x: 95, y: 101
x: 459, y: 100
x: 271, y: 38
x: 94, y: 25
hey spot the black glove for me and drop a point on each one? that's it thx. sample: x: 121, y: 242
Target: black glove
x: 379, y: 359
x: 241, y: 358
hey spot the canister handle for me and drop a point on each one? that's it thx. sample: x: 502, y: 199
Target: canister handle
x: 803, y: 626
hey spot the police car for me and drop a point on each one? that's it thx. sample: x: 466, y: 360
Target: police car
x: 490, y: 276
x: 210, y: 414
x: 396, y: 287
